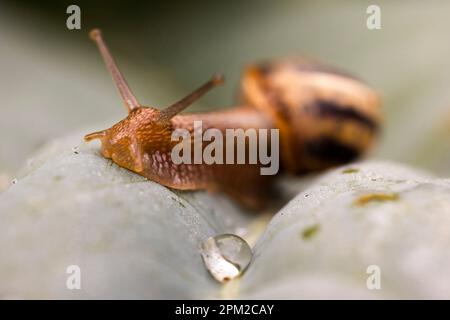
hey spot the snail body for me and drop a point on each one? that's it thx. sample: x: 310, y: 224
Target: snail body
x: 324, y: 117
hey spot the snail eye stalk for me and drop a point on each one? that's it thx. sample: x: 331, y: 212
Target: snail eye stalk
x: 182, y: 104
x: 127, y: 95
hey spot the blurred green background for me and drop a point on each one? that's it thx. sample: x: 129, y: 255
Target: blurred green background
x: 53, y: 81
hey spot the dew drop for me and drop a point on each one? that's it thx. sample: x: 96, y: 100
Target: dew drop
x: 226, y: 256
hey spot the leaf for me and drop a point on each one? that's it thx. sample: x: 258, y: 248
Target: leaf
x: 133, y: 238
x: 321, y: 244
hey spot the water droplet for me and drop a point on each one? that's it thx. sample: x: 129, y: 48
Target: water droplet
x: 226, y: 256
x: 14, y: 181
x: 75, y: 149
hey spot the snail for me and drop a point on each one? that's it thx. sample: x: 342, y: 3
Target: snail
x: 325, y: 117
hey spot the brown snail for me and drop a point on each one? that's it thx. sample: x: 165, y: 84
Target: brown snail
x: 325, y: 118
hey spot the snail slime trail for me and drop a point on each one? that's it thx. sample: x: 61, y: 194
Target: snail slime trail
x: 317, y: 116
